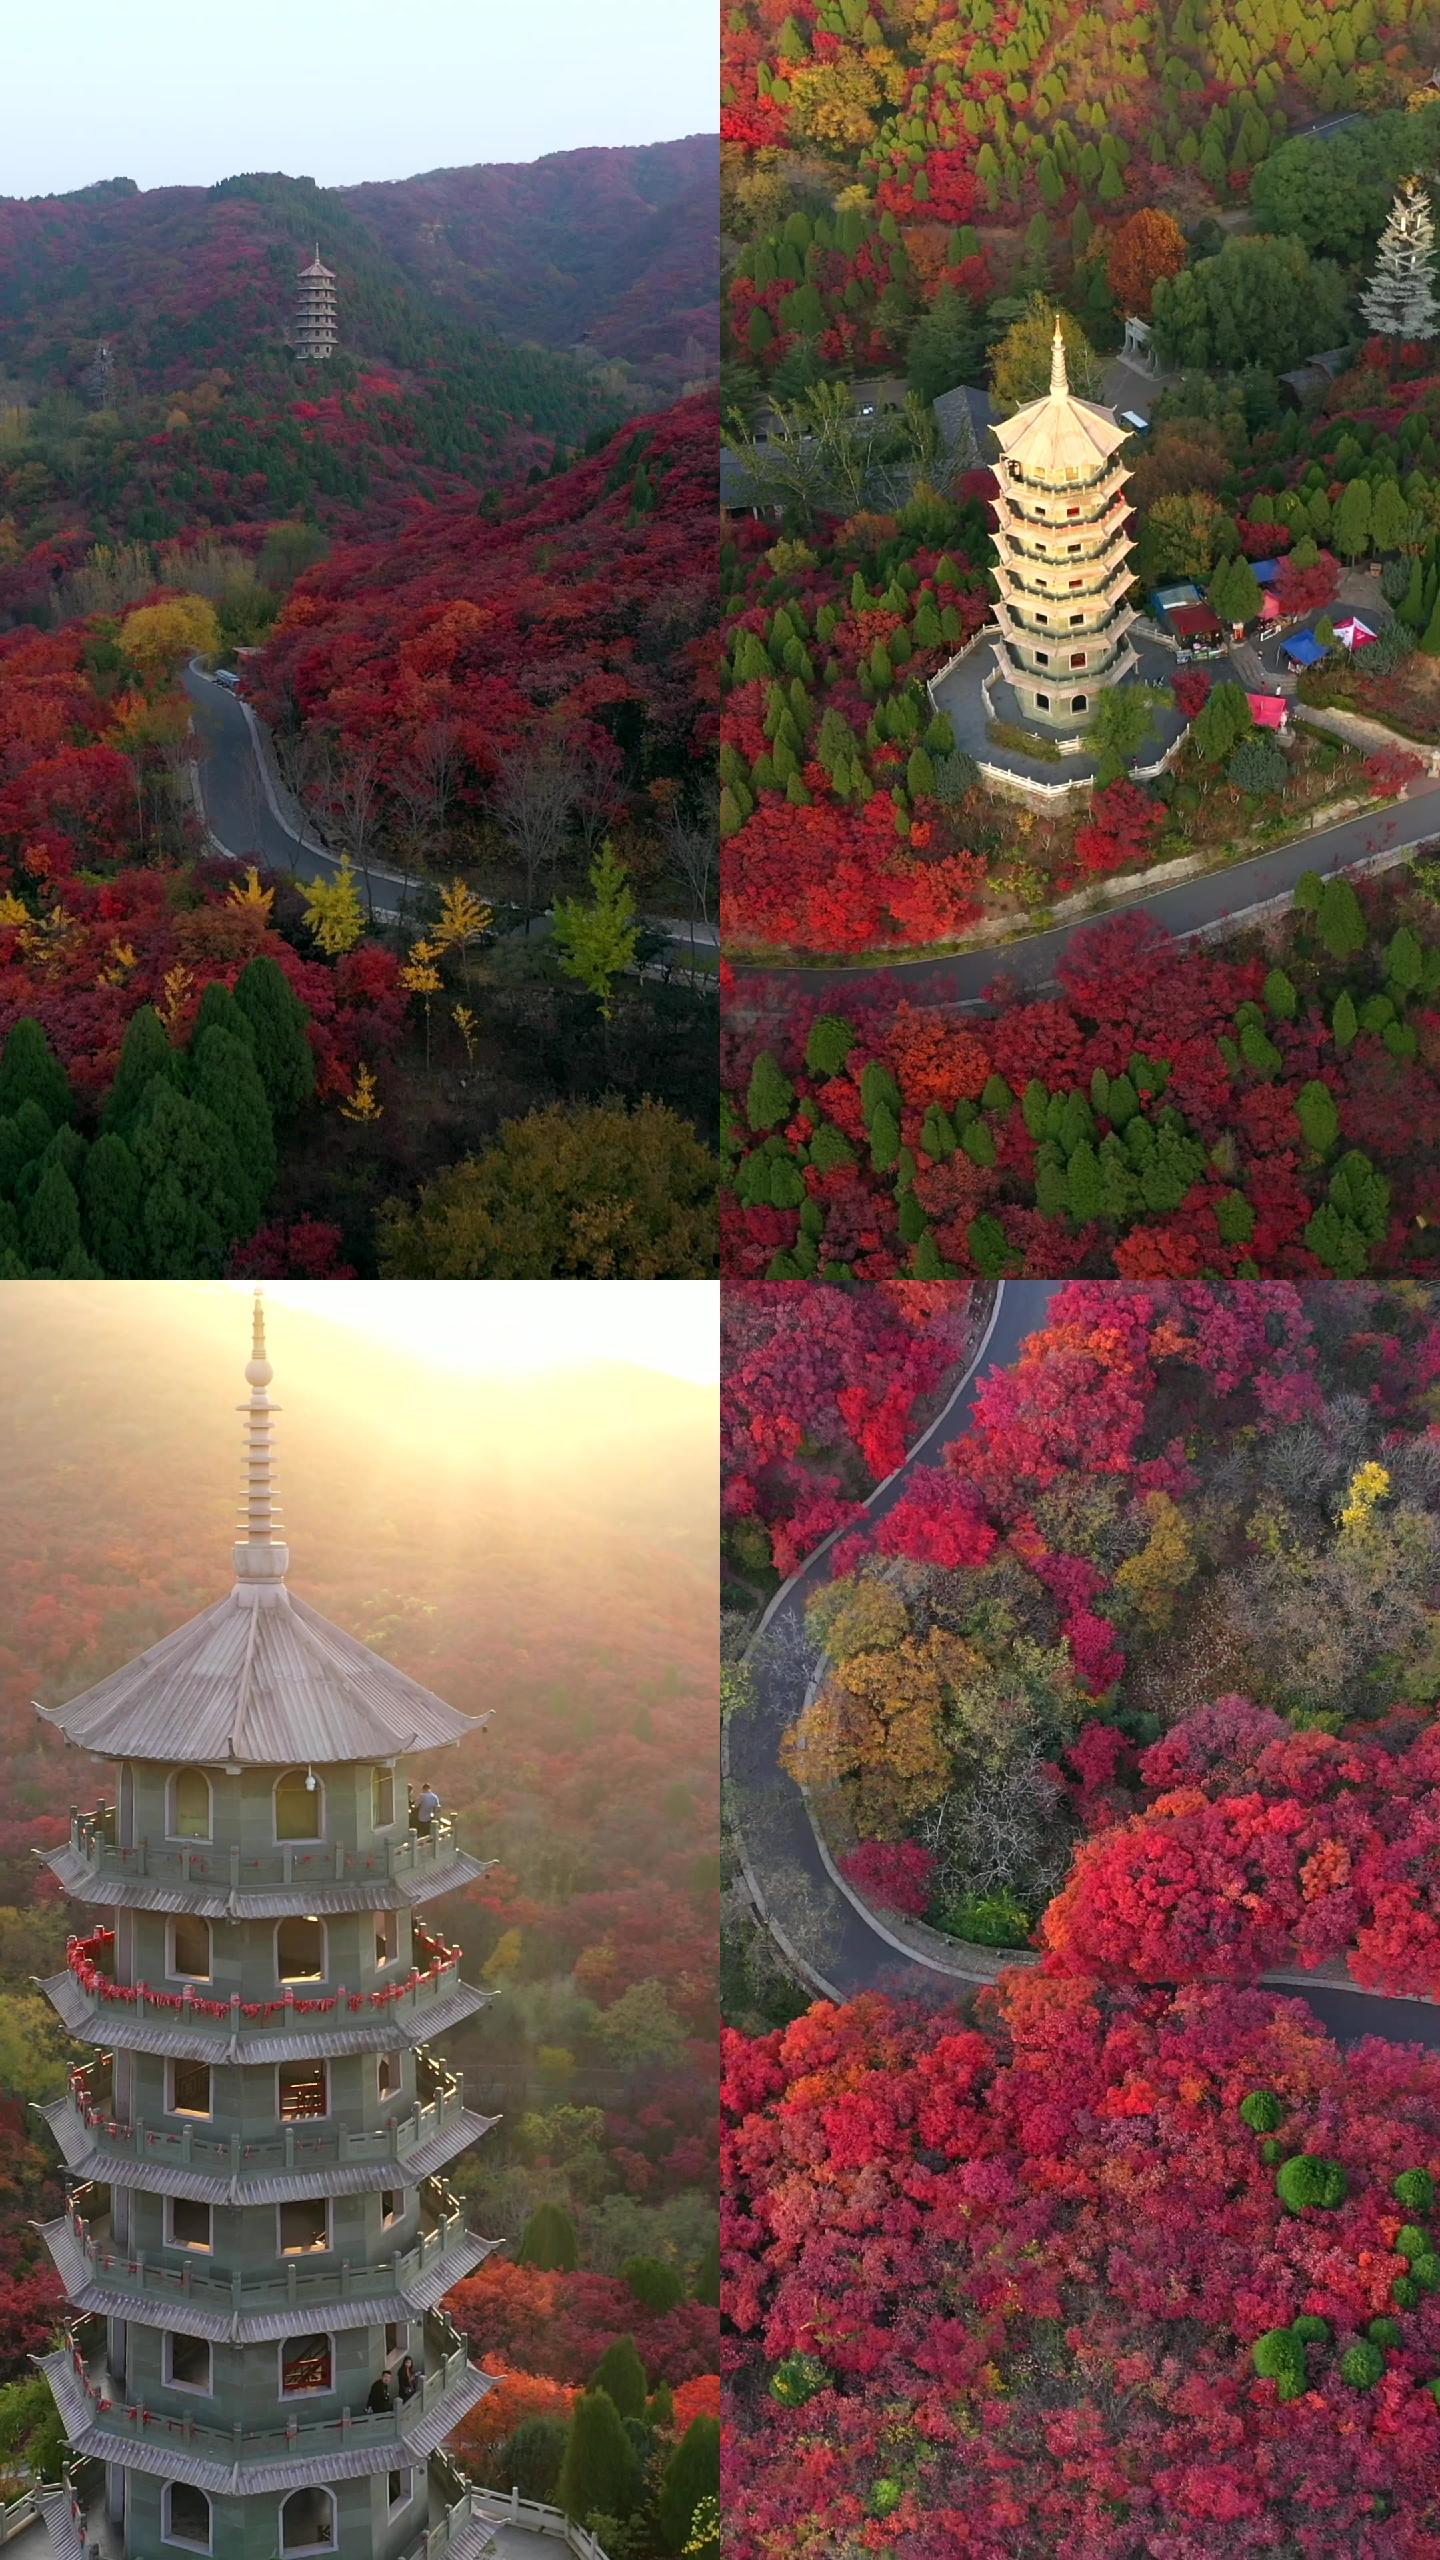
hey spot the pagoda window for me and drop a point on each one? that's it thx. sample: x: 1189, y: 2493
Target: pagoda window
x: 190, y: 2089
x: 1042, y: 701
x: 1077, y: 702
x: 187, y: 2362
x: 382, y: 1799
x: 189, y: 1948
x: 304, y: 2226
x: 1041, y: 658
x: 1077, y: 617
x: 307, y: 2521
x: 187, y: 2515
x: 1077, y: 582
x: 387, y: 2075
x: 300, y: 1950
x: 187, y: 2224
x: 299, y: 1806
x: 1072, y: 511
x: 1078, y: 660
x: 189, y: 1812
x: 307, y: 2364
x: 1042, y: 617
x: 401, y: 2488
x: 389, y: 2208
x: 303, y: 2091
x: 1073, y: 549
x: 387, y: 1937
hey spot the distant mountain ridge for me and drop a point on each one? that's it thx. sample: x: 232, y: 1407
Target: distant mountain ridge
x: 616, y: 249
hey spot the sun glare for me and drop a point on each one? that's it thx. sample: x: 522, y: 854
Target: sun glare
x: 511, y: 1326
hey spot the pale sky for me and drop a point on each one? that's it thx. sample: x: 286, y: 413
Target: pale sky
x: 174, y: 94
x: 484, y: 1326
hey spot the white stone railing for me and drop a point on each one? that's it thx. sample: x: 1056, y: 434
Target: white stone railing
x: 531, y: 2516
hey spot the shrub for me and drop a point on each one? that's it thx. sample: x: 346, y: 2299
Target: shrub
x: 797, y: 2380
x: 1308, y: 2180
x: 1384, y: 2331
x: 655, y: 2286
x: 1410, y: 2241
x: 621, y: 2375
x: 1363, y: 2364
x: 1311, y: 2329
x: 894, y: 1873
x: 1262, y: 2110
x: 1415, y: 2188
x: 989, y: 1919
x: 885, y: 2497
x: 771, y: 1096
x: 1279, y: 2356
x: 1406, y: 2292
x: 1425, y: 2271
x: 548, y: 2240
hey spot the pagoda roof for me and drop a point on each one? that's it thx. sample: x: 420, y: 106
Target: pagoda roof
x: 1059, y: 433
x: 317, y: 266
x: 260, y: 1679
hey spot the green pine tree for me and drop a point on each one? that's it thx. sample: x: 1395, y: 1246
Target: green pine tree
x: 145, y: 1057
x: 192, y: 1187
x: 692, y: 2473
x: 226, y: 1080
x: 278, y: 1024
x: 601, y: 2473
x: 548, y: 2240
x: 110, y: 1201
x: 54, y: 1247
x: 621, y: 2374
x: 31, y: 1072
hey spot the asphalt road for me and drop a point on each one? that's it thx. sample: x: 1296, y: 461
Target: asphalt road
x: 837, y: 1947
x: 1186, y: 909
x: 242, y: 818
x: 238, y: 810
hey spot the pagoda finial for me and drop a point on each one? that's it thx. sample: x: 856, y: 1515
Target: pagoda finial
x: 261, y: 1554
x: 1059, y: 381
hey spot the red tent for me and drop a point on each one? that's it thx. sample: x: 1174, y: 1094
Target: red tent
x: 1268, y: 710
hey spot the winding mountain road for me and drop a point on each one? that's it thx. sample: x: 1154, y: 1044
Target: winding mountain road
x: 1190, y: 908
x: 252, y: 818
x: 836, y: 1946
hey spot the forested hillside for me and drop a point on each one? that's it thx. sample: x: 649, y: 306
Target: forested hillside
x: 615, y: 251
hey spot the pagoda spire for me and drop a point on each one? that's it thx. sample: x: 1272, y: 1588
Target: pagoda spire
x: 261, y: 1554
x: 1059, y: 380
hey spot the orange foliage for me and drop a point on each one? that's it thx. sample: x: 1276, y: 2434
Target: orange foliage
x: 697, y: 2399
x: 516, y: 2397
x: 1143, y: 249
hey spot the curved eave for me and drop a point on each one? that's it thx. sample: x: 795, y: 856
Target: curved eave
x: 160, y: 2177
x: 258, y: 1681
x: 87, y: 2292
x: 382, y: 2031
x: 84, y: 1883
x: 89, y: 2435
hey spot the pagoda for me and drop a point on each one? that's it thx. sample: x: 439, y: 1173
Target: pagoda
x: 260, y: 2232
x: 316, y: 332
x: 1062, y: 570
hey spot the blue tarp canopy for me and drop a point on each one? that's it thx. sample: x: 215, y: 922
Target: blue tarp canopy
x: 1305, y: 649
x: 1265, y: 570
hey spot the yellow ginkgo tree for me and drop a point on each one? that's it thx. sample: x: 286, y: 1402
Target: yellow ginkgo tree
x: 252, y: 898
x: 334, y: 913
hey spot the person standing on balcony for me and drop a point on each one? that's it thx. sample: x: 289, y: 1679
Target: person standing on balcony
x: 427, y: 1805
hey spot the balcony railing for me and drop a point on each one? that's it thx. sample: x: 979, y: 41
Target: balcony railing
x: 125, y: 2422
x: 91, y: 1962
x: 412, y: 1853
x: 309, y: 2143
x: 282, y: 2286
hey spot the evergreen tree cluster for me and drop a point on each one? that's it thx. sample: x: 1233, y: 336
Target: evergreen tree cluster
x: 184, y: 1159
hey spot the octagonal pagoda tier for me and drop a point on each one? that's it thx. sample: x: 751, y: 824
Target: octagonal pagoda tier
x: 1062, y: 569
x: 260, y: 2240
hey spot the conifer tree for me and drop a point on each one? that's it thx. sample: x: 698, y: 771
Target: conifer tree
x: 193, y: 1188
x: 110, y: 1200
x: 600, y: 2474
x: 31, y: 1072
x: 54, y: 1247
x: 1399, y: 301
x: 692, y: 2473
x: 145, y: 1058
x: 548, y: 2240
x: 277, y: 1022
x: 621, y: 2374
x: 225, y: 1079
